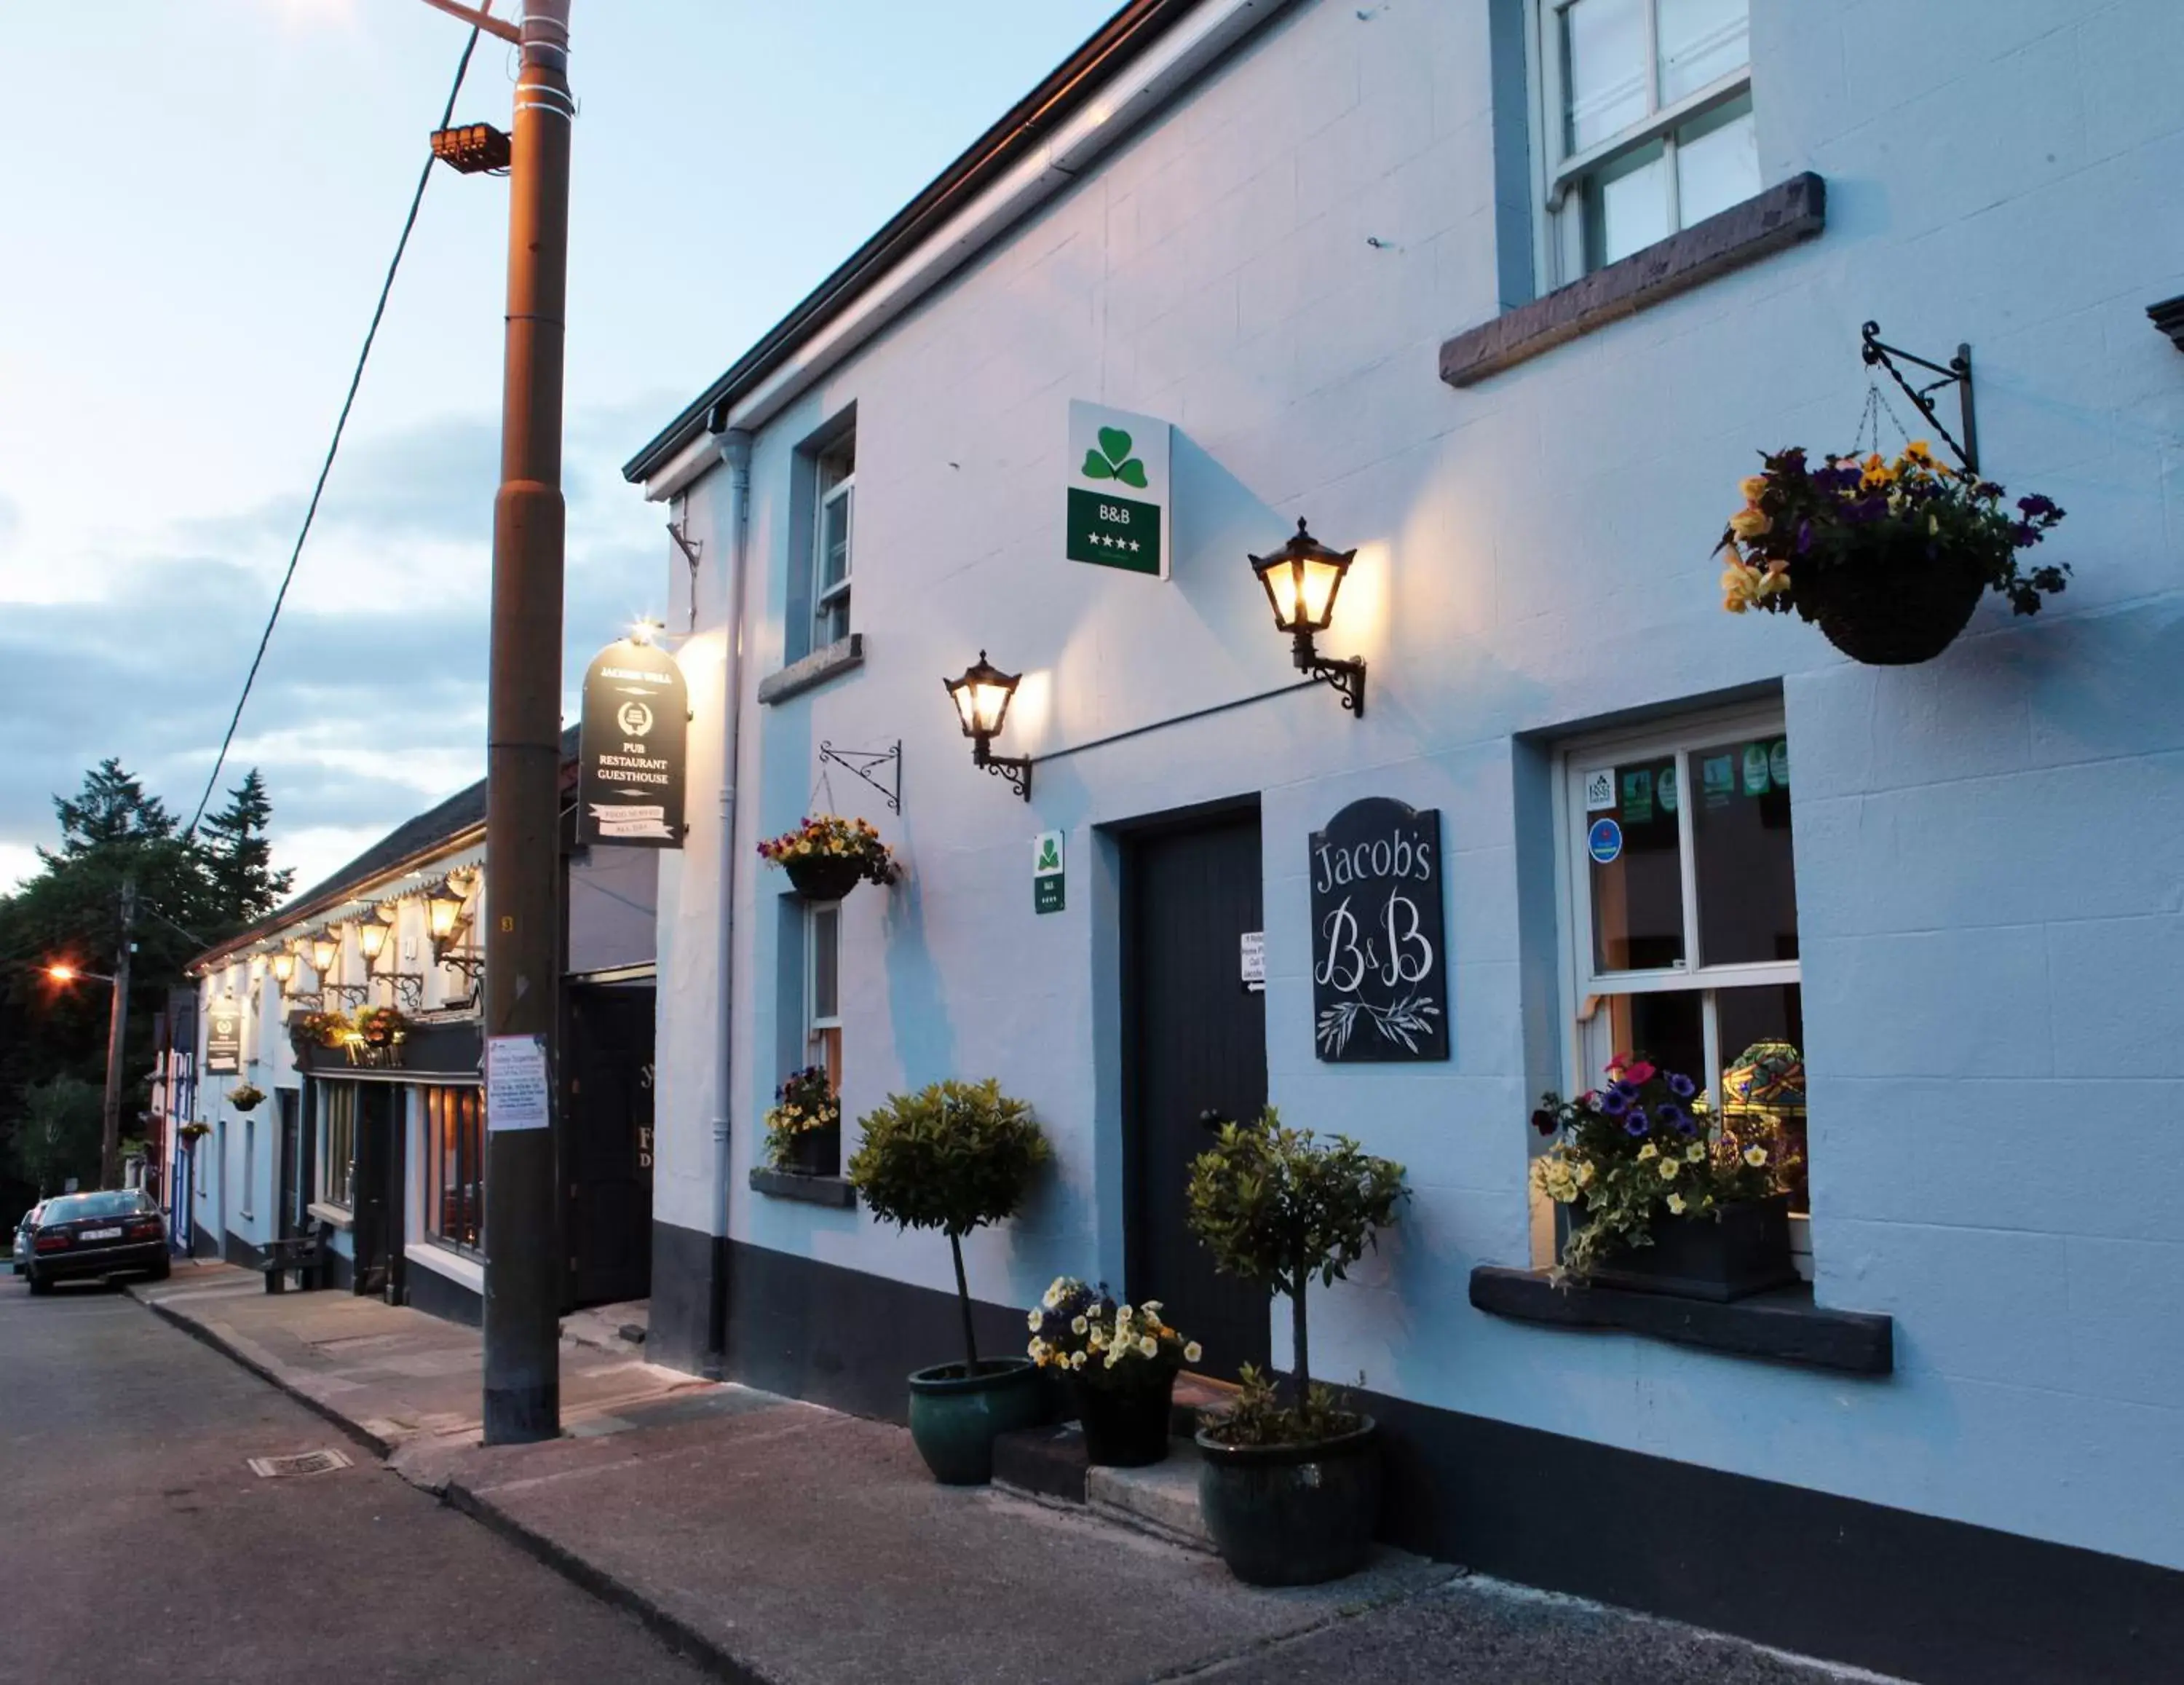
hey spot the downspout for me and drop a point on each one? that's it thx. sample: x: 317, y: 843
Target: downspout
x: 735, y: 448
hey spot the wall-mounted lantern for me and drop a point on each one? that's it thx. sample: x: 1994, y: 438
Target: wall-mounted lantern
x: 370, y: 940
x: 325, y: 949
x: 284, y: 968
x: 981, y: 698
x: 1303, y: 578
x: 443, y: 919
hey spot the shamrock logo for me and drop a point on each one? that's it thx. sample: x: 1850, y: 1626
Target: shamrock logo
x: 1117, y: 464
x: 1049, y: 857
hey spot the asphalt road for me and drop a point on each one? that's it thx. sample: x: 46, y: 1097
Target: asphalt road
x: 136, y: 1542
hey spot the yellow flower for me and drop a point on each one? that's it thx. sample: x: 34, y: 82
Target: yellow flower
x: 1696, y: 1152
x: 1877, y: 473
x: 1919, y: 454
x: 1033, y: 1318
x: 1740, y: 586
x: 1078, y: 1324
x: 1752, y: 486
x: 1077, y: 1360
x: 1749, y: 523
x: 1192, y: 1352
x: 1584, y: 1174
x: 1056, y: 1290
x: 1648, y: 1151
x: 1149, y: 1346
x: 1150, y: 1307
x: 1099, y: 1338
x: 1668, y: 1166
x: 1676, y: 1204
x: 1122, y: 1315
x: 1755, y: 1156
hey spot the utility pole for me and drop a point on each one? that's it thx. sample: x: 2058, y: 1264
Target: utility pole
x: 523, y: 761
x: 117, y: 1031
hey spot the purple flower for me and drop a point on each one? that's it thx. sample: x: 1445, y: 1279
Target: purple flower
x: 1615, y: 1102
x: 2023, y: 533
x: 2035, y: 506
x: 1677, y: 1118
x: 1543, y: 1120
x: 1682, y: 1085
x: 1635, y: 1124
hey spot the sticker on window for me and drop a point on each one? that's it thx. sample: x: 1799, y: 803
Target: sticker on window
x: 1717, y: 777
x: 1638, y: 795
x: 1664, y: 790
x: 1755, y: 769
x: 1604, y: 841
x: 1778, y: 763
x: 1600, y: 789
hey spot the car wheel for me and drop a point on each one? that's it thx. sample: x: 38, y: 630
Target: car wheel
x: 39, y: 1286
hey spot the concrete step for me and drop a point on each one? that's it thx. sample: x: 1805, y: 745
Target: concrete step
x: 1161, y: 1499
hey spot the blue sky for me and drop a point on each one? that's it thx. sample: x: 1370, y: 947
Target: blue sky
x: 200, y: 201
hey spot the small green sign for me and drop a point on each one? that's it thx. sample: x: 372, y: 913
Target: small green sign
x: 1046, y: 893
x: 1046, y: 875
x: 1114, y: 531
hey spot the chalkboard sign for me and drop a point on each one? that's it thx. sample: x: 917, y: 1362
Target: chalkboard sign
x: 1379, y: 968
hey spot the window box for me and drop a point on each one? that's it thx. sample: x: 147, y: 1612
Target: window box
x: 1783, y: 1325
x: 831, y: 1191
x: 1744, y: 1249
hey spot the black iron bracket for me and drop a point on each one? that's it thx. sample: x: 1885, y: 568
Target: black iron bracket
x: 470, y: 961
x: 867, y: 764
x: 347, y: 993
x: 692, y: 550
x: 1957, y: 372
x: 409, y: 988
x: 1015, y: 769
x: 1347, y: 678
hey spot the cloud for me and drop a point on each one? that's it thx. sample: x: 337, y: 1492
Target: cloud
x: 370, y: 705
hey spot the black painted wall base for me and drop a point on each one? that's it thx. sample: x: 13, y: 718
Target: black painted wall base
x: 1938, y: 1601
x: 438, y: 1295
x: 203, y: 1242
x: 235, y: 1250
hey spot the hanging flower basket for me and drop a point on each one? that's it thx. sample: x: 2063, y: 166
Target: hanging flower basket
x: 826, y: 856
x: 246, y: 1096
x: 1887, y: 558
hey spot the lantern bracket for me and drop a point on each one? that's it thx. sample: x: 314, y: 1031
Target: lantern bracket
x: 409, y: 989
x: 1957, y: 372
x: 1347, y: 677
x: 868, y: 764
x: 1014, y: 768
x: 347, y: 993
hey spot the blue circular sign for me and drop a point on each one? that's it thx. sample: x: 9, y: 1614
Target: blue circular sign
x: 1605, y: 841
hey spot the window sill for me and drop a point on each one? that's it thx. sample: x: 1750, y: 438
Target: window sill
x: 442, y: 1261
x: 811, y: 1190
x: 1764, y: 224
x: 1784, y: 1326
x: 331, y: 1214
x: 816, y: 669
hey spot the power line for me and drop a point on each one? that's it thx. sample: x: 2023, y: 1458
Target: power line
x: 355, y: 379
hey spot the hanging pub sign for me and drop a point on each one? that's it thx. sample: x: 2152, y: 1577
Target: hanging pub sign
x: 1117, y: 513
x: 224, y: 1040
x: 1380, y: 968
x: 629, y: 788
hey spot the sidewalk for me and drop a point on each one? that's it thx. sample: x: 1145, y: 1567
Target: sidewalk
x: 779, y: 1542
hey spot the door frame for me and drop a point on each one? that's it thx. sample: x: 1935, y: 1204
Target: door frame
x: 1128, y: 837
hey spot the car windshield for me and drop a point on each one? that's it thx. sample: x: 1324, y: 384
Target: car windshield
x: 123, y: 1203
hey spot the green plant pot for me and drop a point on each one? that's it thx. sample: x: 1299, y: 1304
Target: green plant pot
x: 1292, y: 1514
x: 954, y: 1418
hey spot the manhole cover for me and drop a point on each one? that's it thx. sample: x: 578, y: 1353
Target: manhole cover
x: 304, y: 1463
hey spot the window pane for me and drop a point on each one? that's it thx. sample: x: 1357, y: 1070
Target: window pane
x: 1627, y: 205
x: 826, y: 946
x: 1638, y: 891
x: 1717, y: 161
x: 1603, y: 69
x: 1766, y: 1093
x: 1748, y: 882
x: 1669, y: 1028
x: 834, y: 540
x: 1701, y: 42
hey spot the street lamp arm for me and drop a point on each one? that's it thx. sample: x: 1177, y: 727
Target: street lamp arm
x: 478, y: 19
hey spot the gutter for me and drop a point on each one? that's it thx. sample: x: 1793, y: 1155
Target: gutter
x: 1106, y: 92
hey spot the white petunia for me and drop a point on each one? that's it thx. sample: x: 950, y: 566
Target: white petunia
x: 1191, y: 1352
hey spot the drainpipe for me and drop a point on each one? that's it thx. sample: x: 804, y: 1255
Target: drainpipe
x: 735, y: 448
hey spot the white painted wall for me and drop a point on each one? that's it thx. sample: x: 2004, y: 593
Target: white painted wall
x: 1987, y: 847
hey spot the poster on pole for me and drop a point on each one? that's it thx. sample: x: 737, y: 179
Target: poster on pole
x: 630, y: 758
x: 1117, y: 512
x: 517, y: 1093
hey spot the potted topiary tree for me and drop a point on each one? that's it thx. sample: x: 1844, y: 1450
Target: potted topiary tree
x: 1290, y: 1490
x: 955, y: 1157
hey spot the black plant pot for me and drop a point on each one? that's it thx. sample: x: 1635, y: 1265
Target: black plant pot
x: 823, y: 877
x: 816, y: 1152
x: 1292, y: 1514
x: 1745, y: 1251
x: 1888, y: 602
x: 1125, y: 1426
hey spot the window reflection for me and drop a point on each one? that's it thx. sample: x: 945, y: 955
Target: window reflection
x: 1638, y: 888
x: 1741, y: 836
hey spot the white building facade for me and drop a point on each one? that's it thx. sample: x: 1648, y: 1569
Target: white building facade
x: 1507, y: 297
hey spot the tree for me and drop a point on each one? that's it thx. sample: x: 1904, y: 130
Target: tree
x: 57, y: 1134
x: 238, y: 857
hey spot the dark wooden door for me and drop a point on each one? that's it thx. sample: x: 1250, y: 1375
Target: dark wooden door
x: 291, y: 1197
x: 609, y: 1122
x: 1197, y: 1050
x: 381, y: 1196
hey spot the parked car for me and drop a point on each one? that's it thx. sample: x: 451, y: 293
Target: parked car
x: 81, y: 1234
x: 24, y: 1230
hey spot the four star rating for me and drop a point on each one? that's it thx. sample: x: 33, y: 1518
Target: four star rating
x: 1114, y: 543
